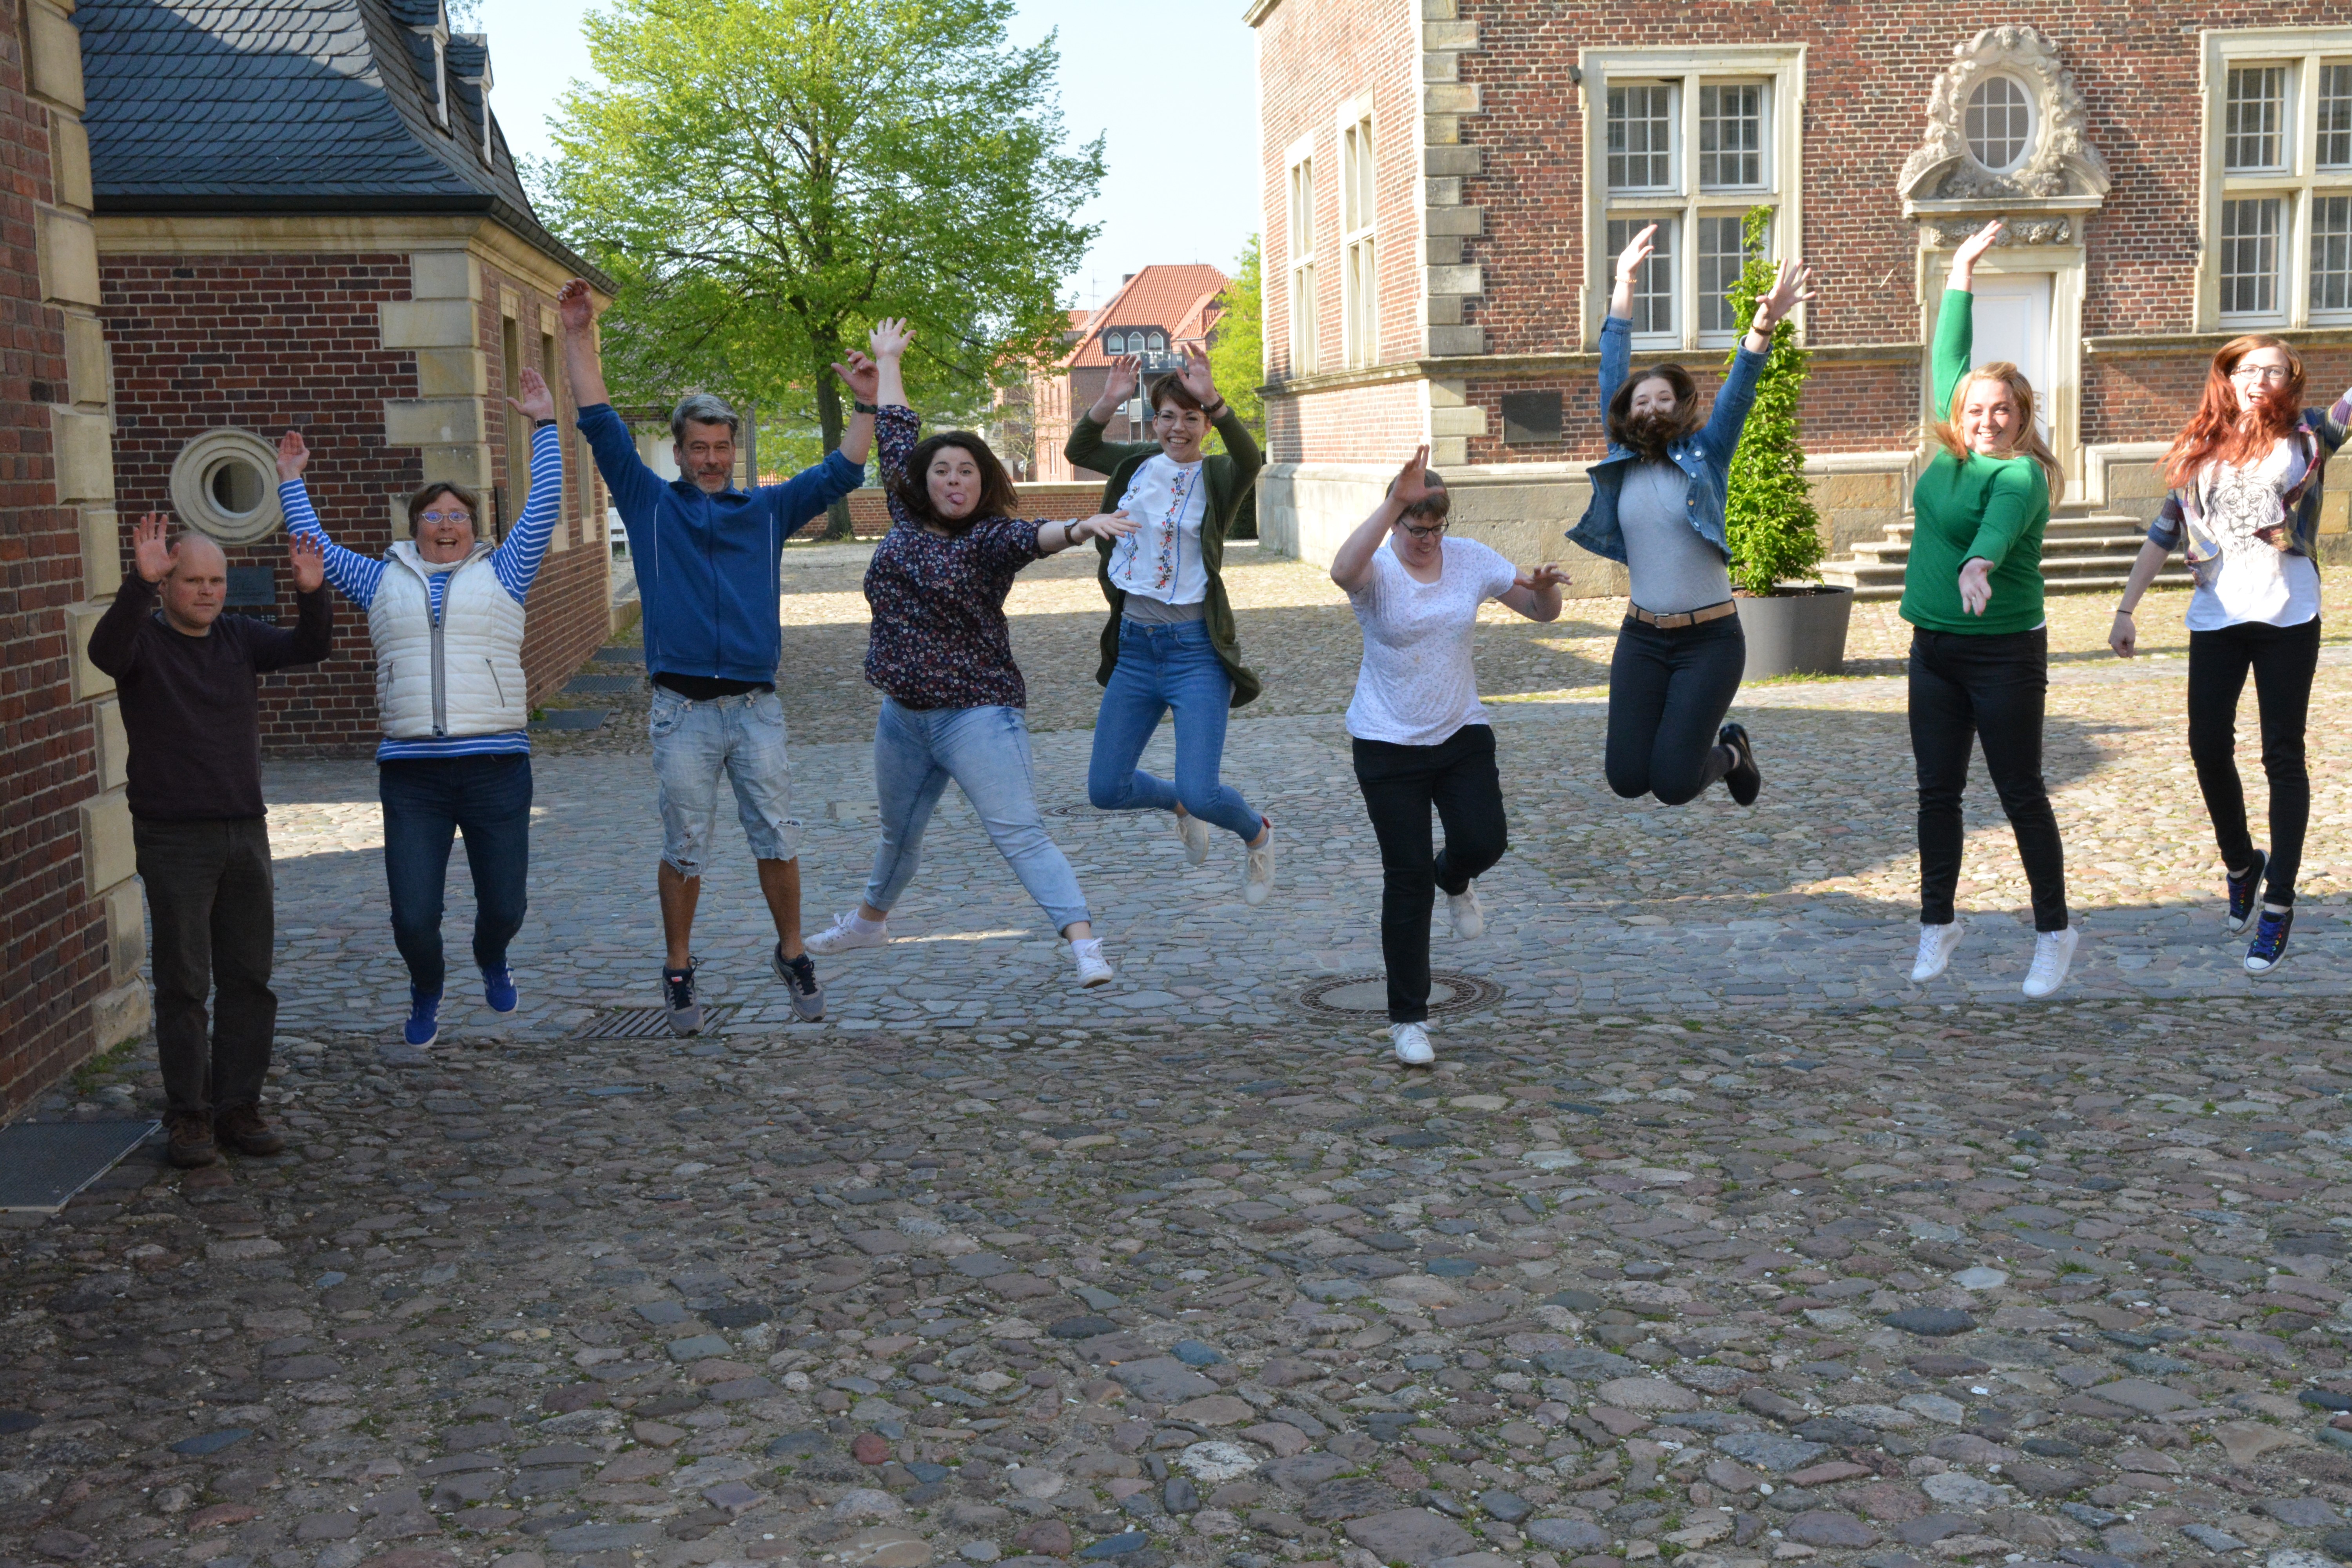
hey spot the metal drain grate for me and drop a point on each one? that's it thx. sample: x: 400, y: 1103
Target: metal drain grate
x: 1358, y: 996
x: 646, y: 1023
x: 44, y: 1164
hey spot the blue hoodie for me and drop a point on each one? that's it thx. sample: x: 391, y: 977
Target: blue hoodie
x: 709, y: 568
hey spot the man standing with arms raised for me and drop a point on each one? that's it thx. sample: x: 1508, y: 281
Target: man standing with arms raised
x: 189, y: 678
x: 709, y: 559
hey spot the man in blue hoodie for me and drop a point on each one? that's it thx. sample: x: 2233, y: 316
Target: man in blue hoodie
x: 709, y: 559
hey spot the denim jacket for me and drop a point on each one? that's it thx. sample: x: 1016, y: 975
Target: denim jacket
x: 2180, y: 522
x: 1705, y: 457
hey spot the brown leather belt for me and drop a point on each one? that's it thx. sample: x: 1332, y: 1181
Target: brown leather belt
x: 1683, y: 618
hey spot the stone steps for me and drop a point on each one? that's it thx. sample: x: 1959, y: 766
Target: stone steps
x: 2083, y: 552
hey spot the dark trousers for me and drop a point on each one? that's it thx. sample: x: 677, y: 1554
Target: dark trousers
x: 209, y: 903
x: 426, y: 803
x: 1668, y: 691
x: 2284, y: 660
x: 1964, y: 688
x: 1401, y: 783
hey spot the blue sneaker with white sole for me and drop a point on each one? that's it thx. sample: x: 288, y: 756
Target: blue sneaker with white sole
x: 2270, y: 940
x: 499, y: 988
x: 423, y: 1025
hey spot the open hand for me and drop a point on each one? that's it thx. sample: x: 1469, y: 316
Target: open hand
x: 1194, y: 375
x: 1972, y: 248
x: 1637, y: 250
x: 1125, y: 368
x: 309, y: 558
x: 1976, y: 586
x: 151, y: 547
x: 537, y: 403
x: 889, y: 338
x: 1412, y: 486
x: 576, y: 305
x: 1792, y: 289
x: 293, y: 456
x: 864, y: 376
x: 2123, y: 634
x: 1546, y: 576
x: 1106, y: 525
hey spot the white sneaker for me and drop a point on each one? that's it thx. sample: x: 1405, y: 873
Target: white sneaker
x: 848, y: 932
x: 1469, y: 919
x: 1196, y: 834
x: 1412, y: 1042
x: 1093, y: 968
x: 1935, y: 944
x: 2053, y: 951
x: 1258, y: 869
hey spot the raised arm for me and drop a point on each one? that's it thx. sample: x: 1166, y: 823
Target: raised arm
x: 354, y: 576
x: 864, y: 379
x: 312, y: 636
x: 636, y: 489
x: 576, y: 309
x: 1733, y: 400
x: 1085, y: 448
x: 1351, y: 564
x: 114, y: 641
x: 1240, y: 445
x: 1617, y: 329
x: 1955, y: 318
x: 517, y: 561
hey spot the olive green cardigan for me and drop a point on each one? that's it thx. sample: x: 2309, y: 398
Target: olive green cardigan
x: 1230, y: 476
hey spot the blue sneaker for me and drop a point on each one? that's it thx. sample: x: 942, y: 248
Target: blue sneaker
x: 2242, y: 895
x: 2270, y: 940
x: 423, y: 1025
x: 499, y: 988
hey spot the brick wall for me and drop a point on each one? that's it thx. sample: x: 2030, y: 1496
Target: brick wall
x: 869, y: 509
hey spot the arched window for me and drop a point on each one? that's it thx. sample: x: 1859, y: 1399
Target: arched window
x: 1114, y: 343
x: 1158, y: 344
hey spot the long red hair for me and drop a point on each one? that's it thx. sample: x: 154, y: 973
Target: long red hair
x: 2215, y: 433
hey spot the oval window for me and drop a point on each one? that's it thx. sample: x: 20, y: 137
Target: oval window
x: 1999, y: 124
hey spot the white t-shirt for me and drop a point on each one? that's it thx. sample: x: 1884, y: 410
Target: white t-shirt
x: 2253, y: 580
x: 1417, y: 684
x: 1161, y: 559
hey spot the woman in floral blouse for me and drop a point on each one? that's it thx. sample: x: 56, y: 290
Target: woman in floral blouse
x: 939, y: 650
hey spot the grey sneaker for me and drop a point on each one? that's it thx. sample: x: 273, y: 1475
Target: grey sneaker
x: 678, y: 993
x: 799, y: 975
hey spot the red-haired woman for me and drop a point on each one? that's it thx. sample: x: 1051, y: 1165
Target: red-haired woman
x: 1980, y: 665
x: 2246, y: 474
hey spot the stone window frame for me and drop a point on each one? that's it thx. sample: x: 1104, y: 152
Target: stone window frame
x: 1781, y: 68
x: 199, y: 458
x: 2299, y: 186
x: 1360, y: 252
x: 1298, y: 237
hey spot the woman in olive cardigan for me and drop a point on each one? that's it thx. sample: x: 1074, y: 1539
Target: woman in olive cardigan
x: 1170, y: 642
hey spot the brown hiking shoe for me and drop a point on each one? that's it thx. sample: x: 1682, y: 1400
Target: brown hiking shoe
x: 188, y: 1140
x: 242, y: 1129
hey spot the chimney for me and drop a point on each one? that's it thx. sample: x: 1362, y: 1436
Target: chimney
x: 1125, y: 279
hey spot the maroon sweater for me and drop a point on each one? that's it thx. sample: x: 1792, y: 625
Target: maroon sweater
x: 191, y: 705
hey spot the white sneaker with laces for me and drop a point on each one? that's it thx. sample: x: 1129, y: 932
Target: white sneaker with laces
x: 1412, y: 1042
x: 2053, y: 952
x: 1469, y: 919
x: 1196, y: 834
x: 1258, y: 869
x: 848, y: 932
x: 1935, y: 944
x: 1094, y: 969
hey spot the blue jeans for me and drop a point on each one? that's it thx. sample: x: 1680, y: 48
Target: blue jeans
x: 425, y: 804
x: 694, y: 742
x: 986, y: 751
x: 1160, y: 668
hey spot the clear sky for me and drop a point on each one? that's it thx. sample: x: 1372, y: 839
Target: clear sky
x: 1168, y: 195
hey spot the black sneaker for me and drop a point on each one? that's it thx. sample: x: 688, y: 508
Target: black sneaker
x: 2242, y: 895
x: 799, y: 975
x: 2270, y: 940
x: 1743, y: 781
x: 677, y: 993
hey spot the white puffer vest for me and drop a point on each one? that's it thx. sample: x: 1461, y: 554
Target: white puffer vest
x: 462, y: 676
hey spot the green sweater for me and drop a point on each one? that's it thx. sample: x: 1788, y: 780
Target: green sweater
x: 1990, y: 507
x: 1230, y: 475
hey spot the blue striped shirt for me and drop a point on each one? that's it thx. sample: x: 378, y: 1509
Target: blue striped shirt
x: 516, y: 562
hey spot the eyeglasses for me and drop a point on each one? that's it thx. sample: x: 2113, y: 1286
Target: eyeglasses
x: 466, y: 517
x: 2262, y: 372
x: 1435, y: 530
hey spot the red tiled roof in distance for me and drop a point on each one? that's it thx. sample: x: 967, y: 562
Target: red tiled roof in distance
x: 1180, y: 300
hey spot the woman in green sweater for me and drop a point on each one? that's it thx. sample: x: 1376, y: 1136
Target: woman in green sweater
x: 1979, y: 662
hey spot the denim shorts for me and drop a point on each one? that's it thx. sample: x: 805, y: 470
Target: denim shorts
x: 694, y: 742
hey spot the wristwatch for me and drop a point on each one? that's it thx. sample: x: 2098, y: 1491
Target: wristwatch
x: 544, y: 424
x: 857, y: 408
x: 1216, y: 413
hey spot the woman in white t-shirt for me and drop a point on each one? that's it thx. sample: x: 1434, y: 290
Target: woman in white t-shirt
x: 1421, y: 738
x: 2246, y: 475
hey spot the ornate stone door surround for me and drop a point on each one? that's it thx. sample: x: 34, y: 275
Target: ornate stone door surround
x: 2006, y: 138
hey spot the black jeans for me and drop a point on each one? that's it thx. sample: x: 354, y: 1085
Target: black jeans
x: 209, y: 901
x: 1965, y: 687
x: 426, y: 803
x: 1668, y: 691
x: 1401, y: 783
x: 2284, y: 660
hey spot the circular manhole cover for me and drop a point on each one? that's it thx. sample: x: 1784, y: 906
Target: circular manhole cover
x: 1367, y: 996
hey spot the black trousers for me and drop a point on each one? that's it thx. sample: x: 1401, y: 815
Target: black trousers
x: 1401, y: 783
x: 209, y: 903
x: 2284, y: 660
x: 1668, y: 691
x: 1965, y: 687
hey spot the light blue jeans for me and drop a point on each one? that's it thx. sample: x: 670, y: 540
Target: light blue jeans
x: 986, y: 751
x: 1160, y: 669
x: 694, y: 742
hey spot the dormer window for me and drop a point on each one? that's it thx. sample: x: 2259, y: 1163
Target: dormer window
x: 428, y: 35
x: 441, y: 81
x: 469, y: 55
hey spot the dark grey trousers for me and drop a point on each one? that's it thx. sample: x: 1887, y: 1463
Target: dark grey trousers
x: 209, y: 903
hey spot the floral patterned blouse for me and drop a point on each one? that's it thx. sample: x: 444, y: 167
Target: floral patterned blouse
x: 939, y: 636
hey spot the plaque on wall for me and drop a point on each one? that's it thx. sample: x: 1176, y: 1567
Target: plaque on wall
x: 1530, y: 418
x: 252, y: 591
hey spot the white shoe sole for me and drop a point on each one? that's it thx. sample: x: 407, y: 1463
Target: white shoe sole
x: 1415, y: 1058
x: 1921, y: 972
x: 1196, y: 834
x: 2058, y: 981
x: 1470, y: 924
x: 1101, y: 977
x: 826, y: 944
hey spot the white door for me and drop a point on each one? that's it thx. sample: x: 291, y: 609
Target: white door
x: 2012, y: 323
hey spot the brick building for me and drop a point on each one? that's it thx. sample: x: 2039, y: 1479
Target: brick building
x: 1154, y: 312
x: 1446, y: 185
x: 221, y: 221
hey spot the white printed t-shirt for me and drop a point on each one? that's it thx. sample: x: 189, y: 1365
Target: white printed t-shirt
x: 1417, y: 684
x: 1161, y: 559
x: 2253, y: 580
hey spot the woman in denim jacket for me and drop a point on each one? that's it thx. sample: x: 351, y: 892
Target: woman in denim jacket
x: 1657, y: 507
x: 2246, y: 474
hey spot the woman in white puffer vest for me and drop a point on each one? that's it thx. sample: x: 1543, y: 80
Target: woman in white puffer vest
x: 445, y: 609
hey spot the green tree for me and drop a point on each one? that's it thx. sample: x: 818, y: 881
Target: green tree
x: 764, y: 178
x: 1237, y: 349
x: 1768, y: 517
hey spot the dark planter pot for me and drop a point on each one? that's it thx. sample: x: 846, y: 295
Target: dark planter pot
x: 1797, y: 631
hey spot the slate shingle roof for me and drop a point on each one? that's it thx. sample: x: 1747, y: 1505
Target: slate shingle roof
x: 286, y: 106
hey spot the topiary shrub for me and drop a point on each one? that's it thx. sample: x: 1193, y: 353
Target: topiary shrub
x: 1769, y: 519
